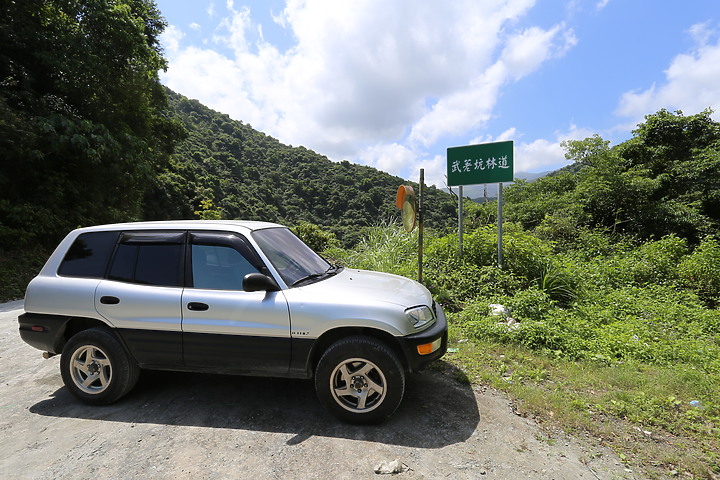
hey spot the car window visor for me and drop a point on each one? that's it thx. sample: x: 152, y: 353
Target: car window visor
x: 174, y: 238
x: 214, y: 239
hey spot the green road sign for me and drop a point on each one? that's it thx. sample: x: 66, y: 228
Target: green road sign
x: 477, y: 164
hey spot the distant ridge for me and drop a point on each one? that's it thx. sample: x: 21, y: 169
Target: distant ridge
x: 477, y: 193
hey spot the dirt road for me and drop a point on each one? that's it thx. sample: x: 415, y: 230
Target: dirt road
x: 211, y: 427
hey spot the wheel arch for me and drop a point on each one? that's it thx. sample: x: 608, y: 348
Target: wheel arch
x: 332, y: 336
x: 75, y: 325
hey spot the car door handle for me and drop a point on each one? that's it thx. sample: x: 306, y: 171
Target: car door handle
x: 197, y: 306
x: 108, y: 300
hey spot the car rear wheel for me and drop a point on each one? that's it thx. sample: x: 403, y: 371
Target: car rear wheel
x: 96, y: 368
x: 360, y: 380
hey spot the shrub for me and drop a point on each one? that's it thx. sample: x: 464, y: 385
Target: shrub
x: 558, y: 283
x: 657, y: 261
x: 535, y: 326
x: 524, y: 255
x: 657, y: 325
x: 700, y: 271
x: 455, y: 284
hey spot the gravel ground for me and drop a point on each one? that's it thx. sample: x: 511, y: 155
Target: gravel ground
x: 177, y: 425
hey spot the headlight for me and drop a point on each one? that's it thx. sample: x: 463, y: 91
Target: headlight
x: 420, y: 316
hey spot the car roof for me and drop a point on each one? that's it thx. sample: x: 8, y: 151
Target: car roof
x: 233, y: 225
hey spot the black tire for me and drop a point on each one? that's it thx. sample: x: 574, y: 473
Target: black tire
x: 96, y: 368
x: 360, y: 380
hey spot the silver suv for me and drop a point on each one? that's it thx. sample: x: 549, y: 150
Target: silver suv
x: 233, y: 297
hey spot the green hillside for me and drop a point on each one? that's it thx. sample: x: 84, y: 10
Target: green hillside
x: 226, y: 168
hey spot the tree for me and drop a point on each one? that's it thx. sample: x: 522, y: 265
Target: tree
x: 664, y: 180
x: 81, y: 114
x: 682, y: 155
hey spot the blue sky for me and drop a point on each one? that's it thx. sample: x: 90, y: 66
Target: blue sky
x: 394, y: 84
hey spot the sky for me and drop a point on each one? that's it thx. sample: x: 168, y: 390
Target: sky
x: 393, y: 84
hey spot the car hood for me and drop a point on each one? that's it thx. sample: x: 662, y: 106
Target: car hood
x: 372, y: 286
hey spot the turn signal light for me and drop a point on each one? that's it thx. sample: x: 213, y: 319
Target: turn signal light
x: 428, y: 348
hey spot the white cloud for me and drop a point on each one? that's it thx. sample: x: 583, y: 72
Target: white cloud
x: 171, y: 38
x: 691, y: 82
x: 701, y: 33
x: 392, y: 158
x: 373, y: 81
x: 435, y: 171
x: 538, y: 156
x: 525, y: 52
x: 216, y: 81
x: 602, y: 4
x: 544, y: 155
x: 471, y: 106
x: 508, y: 134
x: 369, y: 74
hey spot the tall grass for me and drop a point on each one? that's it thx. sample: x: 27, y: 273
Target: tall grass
x: 385, y: 248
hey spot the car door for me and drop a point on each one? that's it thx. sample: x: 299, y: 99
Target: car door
x: 225, y: 328
x: 141, y: 295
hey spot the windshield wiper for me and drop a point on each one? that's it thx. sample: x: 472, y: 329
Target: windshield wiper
x: 307, y: 277
x: 332, y: 270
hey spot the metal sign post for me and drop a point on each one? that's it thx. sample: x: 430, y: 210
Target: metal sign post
x: 500, y: 225
x: 460, y: 222
x: 477, y: 164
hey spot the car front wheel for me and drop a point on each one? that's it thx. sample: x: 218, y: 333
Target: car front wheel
x: 96, y: 368
x: 360, y: 380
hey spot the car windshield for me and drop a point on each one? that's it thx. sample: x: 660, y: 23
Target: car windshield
x: 294, y: 261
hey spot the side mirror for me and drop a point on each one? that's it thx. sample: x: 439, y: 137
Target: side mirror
x: 256, y: 282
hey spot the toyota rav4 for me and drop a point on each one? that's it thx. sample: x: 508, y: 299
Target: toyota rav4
x: 233, y: 297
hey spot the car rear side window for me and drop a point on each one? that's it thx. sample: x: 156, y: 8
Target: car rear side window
x: 149, y: 259
x: 89, y: 255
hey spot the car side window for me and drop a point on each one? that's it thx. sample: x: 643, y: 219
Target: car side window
x: 89, y: 254
x: 220, y: 262
x: 149, y: 260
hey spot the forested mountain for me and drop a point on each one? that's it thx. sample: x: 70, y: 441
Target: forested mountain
x: 87, y: 136
x: 665, y: 180
x: 82, y: 125
x: 227, y: 169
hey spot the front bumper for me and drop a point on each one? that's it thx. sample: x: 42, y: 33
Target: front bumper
x: 436, y: 335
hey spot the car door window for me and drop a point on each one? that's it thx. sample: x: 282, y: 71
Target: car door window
x: 148, y: 260
x: 89, y: 254
x: 219, y: 268
x: 220, y: 262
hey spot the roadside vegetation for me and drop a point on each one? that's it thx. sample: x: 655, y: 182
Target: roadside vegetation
x: 608, y: 339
